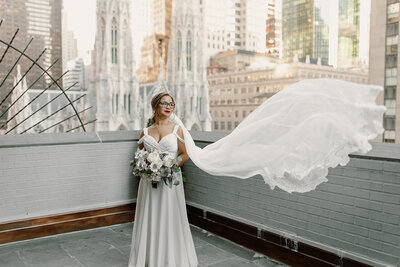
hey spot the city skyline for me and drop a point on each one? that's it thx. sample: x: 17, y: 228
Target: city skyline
x: 82, y: 21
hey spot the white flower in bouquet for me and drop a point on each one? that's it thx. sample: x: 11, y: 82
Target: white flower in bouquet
x: 156, y: 176
x: 156, y: 165
x: 141, y: 154
x: 141, y: 164
x: 168, y: 161
x: 153, y: 157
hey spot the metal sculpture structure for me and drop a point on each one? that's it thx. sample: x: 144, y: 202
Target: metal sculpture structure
x: 44, y: 73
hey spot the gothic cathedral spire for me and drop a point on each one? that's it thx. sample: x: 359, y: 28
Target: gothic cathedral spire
x: 114, y: 87
x: 186, y: 70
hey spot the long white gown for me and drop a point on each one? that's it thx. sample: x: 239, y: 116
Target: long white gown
x: 161, y: 235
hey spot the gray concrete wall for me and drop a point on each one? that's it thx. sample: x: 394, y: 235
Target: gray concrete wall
x: 46, y: 174
x: 356, y: 214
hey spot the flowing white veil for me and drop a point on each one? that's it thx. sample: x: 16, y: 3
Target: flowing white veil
x: 296, y: 135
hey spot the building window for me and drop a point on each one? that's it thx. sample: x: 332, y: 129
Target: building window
x: 215, y: 125
x: 389, y: 123
x: 391, y: 44
x: 391, y: 61
x: 103, y: 30
x: 229, y: 125
x: 390, y: 104
x: 236, y: 124
x: 392, y: 29
x: 129, y: 103
x: 126, y: 45
x: 390, y: 92
x: 116, y: 103
x: 113, y: 104
x: 179, y: 49
x: 393, y: 12
x: 389, y: 136
x: 391, y: 76
x: 222, y: 114
x: 200, y: 105
x: 236, y: 113
x: 222, y: 125
x: 189, y: 52
x: 244, y: 113
x: 114, y: 36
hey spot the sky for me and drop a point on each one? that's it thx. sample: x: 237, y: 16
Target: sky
x: 81, y: 19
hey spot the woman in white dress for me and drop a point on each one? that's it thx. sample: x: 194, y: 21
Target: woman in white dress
x: 161, y: 235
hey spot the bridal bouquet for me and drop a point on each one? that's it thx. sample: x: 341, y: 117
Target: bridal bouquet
x: 155, y: 167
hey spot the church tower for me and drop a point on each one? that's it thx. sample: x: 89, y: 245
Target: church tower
x: 114, y: 89
x: 186, y: 69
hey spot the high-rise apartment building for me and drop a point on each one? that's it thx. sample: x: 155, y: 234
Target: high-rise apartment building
x: 219, y: 26
x: 383, y: 65
x: 233, y: 24
x: 38, y: 19
x: 77, y: 77
x: 250, y: 17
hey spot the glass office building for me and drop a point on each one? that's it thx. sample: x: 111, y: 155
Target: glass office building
x: 349, y: 31
x: 40, y: 19
x: 305, y: 30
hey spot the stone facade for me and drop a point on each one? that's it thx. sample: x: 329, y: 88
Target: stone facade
x: 114, y: 87
x: 234, y: 94
x: 186, y: 70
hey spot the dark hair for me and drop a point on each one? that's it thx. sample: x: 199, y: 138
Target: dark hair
x: 155, y: 101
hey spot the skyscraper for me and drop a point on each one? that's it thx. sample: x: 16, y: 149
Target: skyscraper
x: 38, y: 19
x: 273, y: 29
x: 306, y: 29
x: 383, y: 65
x: 69, y: 43
x: 336, y: 31
x: 250, y: 17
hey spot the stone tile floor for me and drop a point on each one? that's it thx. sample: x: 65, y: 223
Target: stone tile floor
x: 110, y: 246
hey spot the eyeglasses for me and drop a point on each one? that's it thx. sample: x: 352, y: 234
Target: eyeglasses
x: 166, y: 104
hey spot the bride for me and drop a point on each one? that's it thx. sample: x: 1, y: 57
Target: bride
x: 161, y: 234
x: 290, y: 140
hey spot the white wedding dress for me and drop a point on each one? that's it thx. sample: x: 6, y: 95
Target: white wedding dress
x: 161, y: 235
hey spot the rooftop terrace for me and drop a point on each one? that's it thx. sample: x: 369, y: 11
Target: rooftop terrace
x: 58, y: 183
